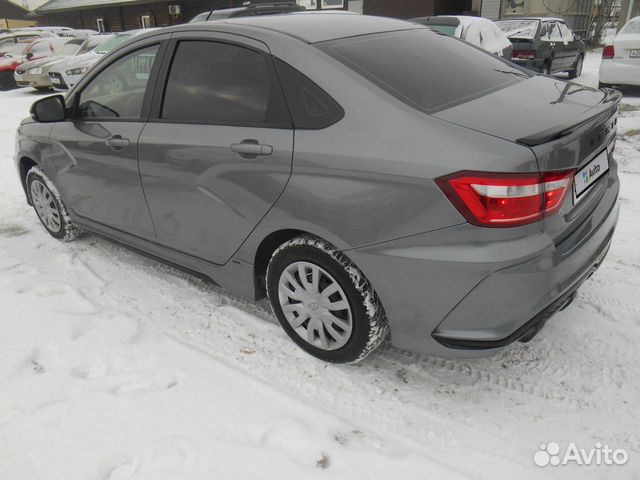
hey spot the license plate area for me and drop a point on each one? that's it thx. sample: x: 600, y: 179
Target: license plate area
x: 589, y: 175
x: 634, y: 53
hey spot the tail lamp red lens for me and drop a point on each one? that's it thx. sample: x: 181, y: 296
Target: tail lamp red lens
x: 505, y: 199
x: 524, y: 54
x: 609, y: 52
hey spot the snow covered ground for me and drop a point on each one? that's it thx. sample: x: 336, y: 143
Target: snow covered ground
x: 114, y: 366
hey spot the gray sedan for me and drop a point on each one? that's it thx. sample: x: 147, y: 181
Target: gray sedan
x: 367, y: 175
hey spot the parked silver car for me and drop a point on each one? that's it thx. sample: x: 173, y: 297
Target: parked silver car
x: 366, y: 174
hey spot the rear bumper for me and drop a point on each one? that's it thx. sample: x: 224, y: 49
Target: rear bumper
x: 536, y: 64
x: 616, y: 73
x: 457, y: 292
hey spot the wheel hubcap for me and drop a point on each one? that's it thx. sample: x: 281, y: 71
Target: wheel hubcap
x: 45, y: 206
x: 315, y: 305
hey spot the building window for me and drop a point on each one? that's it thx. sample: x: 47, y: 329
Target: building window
x: 322, y: 4
x: 100, y: 25
x: 145, y: 21
x: 327, y: 4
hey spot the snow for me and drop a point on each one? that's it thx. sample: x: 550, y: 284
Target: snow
x: 114, y: 366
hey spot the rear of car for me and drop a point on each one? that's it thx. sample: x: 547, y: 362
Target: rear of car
x: 481, y: 32
x: 21, y: 53
x: 524, y: 36
x: 530, y: 223
x: 621, y: 60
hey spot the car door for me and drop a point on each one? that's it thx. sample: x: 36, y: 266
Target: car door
x: 569, y: 44
x: 95, y: 154
x: 219, y: 153
x: 550, y: 40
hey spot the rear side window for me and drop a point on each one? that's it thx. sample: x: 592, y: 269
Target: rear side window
x: 427, y: 71
x: 213, y: 82
x: 310, y: 106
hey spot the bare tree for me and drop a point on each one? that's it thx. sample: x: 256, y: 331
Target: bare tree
x: 603, y: 16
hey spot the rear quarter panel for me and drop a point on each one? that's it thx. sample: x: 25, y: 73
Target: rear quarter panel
x: 370, y: 177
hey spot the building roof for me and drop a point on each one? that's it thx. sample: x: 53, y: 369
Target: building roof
x: 11, y: 10
x: 64, y: 5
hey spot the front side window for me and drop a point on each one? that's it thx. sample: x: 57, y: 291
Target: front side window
x: 118, y: 91
x: 213, y: 82
x: 553, y: 33
x: 567, y: 34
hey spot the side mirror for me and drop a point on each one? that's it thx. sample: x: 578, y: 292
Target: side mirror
x: 49, y: 109
x: 29, y: 55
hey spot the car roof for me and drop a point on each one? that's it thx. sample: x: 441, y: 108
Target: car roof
x: 438, y: 20
x: 541, y: 19
x: 312, y: 28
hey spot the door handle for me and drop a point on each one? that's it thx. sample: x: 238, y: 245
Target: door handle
x: 251, y: 149
x: 117, y: 142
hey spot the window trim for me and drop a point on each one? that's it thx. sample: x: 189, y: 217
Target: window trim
x: 155, y: 114
x: 149, y: 18
x: 137, y: 46
x: 100, y: 21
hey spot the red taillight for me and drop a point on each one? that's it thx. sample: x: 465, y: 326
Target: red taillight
x: 609, y: 52
x: 524, y: 54
x: 506, y: 199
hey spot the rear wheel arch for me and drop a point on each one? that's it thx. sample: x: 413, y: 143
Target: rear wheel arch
x: 263, y: 255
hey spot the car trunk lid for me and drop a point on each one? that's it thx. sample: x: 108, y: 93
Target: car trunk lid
x: 566, y: 125
x: 627, y: 48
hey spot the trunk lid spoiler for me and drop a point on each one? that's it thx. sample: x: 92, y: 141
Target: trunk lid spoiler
x: 600, y: 112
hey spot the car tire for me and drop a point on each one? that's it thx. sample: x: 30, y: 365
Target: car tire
x: 49, y: 207
x: 312, y: 281
x: 7, y: 82
x: 577, y: 69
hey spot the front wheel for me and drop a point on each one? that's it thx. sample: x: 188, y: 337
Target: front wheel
x: 49, y: 207
x: 324, y: 302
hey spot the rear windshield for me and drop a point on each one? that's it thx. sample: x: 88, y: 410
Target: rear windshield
x: 631, y: 27
x: 426, y: 70
x: 446, y: 29
x: 519, y: 28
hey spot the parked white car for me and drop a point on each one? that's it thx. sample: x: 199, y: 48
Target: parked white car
x: 620, y: 63
x: 477, y: 31
x: 64, y: 75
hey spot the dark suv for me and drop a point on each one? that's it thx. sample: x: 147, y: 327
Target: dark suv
x: 248, y: 11
x: 545, y: 45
